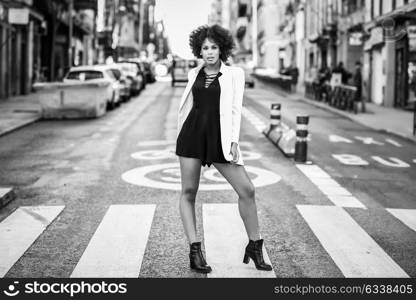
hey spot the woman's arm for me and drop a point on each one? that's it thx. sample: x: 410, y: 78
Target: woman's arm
x: 238, y: 92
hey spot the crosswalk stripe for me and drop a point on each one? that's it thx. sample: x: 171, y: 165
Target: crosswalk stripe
x: 21, y: 229
x: 328, y: 186
x: 119, y: 243
x: 354, y: 252
x: 225, y: 241
x: 407, y: 216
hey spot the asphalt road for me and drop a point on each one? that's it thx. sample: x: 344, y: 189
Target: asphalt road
x: 104, y: 194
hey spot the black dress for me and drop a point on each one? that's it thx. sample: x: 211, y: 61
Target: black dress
x: 200, y: 136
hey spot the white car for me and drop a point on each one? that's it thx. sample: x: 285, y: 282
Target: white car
x: 97, y: 73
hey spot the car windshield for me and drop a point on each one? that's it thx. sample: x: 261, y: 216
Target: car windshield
x: 85, y: 75
x: 132, y: 63
x: 185, y: 64
x: 129, y: 68
x: 116, y: 73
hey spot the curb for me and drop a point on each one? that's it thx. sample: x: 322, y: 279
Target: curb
x: 300, y: 97
x: 7, y: 195
x: 23, y: 124
x: 348, y: 116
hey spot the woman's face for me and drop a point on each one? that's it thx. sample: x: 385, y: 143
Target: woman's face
x: 210, y: 52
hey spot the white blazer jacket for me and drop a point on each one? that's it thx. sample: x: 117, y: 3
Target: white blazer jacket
x: 232, y: 83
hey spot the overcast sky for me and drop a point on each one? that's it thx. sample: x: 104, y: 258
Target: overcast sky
x: 180, y: 18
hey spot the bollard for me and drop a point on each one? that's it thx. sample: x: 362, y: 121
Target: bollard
x: 275, y: 120
x: 301, y: 147
x: 275, y: 116
x: 274, y: 131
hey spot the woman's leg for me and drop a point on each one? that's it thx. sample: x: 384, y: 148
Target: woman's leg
x: 190, y: 174
x: 237, y: 176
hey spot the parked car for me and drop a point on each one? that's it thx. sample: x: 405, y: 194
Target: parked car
x: 97, y: 73
x: 247, y: 72
x: 180, y: 69
x: 135, y: 73
x: 124, y: 80
x: 249, y: 78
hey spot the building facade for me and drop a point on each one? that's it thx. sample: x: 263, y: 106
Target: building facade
x: 390, y: 52
x: 41, y: 40
x: 127, y: 29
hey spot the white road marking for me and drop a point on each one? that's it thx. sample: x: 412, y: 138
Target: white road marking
x: 21, y: 229
x: 118, y: 245
x: 393, y: 142
x: 332, y: 189
x: 350, y: 160
x: 368, y: 141
x: 173, y: 142
x: 407, y: 216
x: 313, y: 171
x: 254, y: 120
x: 394, y: 162
x: 139, y: 176
x: 339, y: 139
x: 354, y: 252
x: 225, y: 242
x: 346, y: 201
x: 156, y: 143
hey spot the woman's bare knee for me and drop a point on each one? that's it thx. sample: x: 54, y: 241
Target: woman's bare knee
x: 248, y: 192
x: 189, y: 193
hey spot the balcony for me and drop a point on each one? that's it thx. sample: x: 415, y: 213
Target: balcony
x: 85, y: 4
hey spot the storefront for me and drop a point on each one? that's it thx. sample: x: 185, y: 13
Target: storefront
x: 20, y: 47
x: 411, y: 63
x: 374, y: 62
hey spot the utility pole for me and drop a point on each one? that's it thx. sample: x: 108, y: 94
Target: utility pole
x: 71, y: 30
x: 254, y: 33
x: 141, y: 23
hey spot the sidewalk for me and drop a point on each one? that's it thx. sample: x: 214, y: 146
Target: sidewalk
x: 18, y: 111
x: 391, y: 120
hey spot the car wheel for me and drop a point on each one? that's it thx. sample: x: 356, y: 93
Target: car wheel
x: 111, y: 104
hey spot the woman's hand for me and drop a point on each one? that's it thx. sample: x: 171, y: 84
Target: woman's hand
x: 234, y: 152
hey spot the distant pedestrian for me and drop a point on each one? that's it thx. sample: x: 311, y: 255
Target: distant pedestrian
x: 294, y: 72
x: 358, y: 81
x: 345, y: 75
x: 208, y: 133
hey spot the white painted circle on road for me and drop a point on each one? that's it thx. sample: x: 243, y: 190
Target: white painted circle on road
x: 170, y: 142
x: 169, y: 153
x: 167, y: 176
x: 214, y: 175
x: 152, y: 155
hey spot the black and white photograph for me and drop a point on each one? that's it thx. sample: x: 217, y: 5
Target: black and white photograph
x: 264, y: 148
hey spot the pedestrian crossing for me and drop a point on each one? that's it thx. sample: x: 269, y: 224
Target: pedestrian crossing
x: 21, y: 229
x: 117, y: 247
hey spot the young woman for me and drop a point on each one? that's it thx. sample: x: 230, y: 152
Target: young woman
x: 208, y: 133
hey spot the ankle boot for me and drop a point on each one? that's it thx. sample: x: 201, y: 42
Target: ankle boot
x: 254, y: 250
x: 197, y: 260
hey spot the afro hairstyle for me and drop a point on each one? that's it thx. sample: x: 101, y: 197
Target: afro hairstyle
x: 217, y: 34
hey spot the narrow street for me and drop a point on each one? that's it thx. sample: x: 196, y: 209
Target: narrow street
x: 99, y: 198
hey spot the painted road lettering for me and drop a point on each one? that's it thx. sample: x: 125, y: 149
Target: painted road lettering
x: 339, y: 139
x: 395, y: 162
x: 368, y: 141
x: 350, y: 160
x: 355, y: 160
x: 333, y: 138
